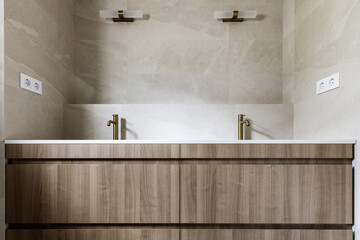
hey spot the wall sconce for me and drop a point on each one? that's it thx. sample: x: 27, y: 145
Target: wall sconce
x: 234, y: 16
x: 121, y: 15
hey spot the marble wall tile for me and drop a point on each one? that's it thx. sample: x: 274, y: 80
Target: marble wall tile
x: 327, y: 40
x: 288, y: 83
x: 256, y: 88
x: 333, y: 38
x: 288, y: 59
x: 255, y: 71
x: 38, y: 42
x: 178, y: 39
x: 304, y: 8
x: 197, y: 57
x: 25, y: 121
x: 178, y: 121
x: 268, y: 26
x: 288, y: 17
x: 172, y: 89
x: 183, y: 22
x: 256, y: 56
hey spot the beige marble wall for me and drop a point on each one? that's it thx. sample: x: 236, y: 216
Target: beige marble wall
x: 288, y: 76
x: 179, y: 54
x: 288, y: 51
x: 38, y: 42
x: 327, y: 40
x: 178, y: 121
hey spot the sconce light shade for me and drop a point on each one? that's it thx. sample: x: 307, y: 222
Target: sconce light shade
x: 121, y: 15
x: 234, y: 16
x: 108, y: 14
x: 223, y: 14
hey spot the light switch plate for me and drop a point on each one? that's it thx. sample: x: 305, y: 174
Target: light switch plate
x: 30, y: 84
x: 328, y: 83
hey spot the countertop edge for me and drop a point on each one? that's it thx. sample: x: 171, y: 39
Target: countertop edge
x: 78, y: 142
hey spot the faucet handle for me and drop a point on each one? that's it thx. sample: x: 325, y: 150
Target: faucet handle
x: 241, y: 117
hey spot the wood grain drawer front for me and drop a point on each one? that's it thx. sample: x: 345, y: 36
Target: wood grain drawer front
x: 95, y: 234
x: 92, y: 193
x: 266, y: 194
x: 260, y: 234
x: 267, y: 151
x: 91, y: 151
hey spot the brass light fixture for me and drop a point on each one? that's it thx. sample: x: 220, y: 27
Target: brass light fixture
x: 234, y: 16
x: 121, y: 15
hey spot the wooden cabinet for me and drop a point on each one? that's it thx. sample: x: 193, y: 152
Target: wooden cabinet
x: 92, y: 193
x: 264, y: 234
x: 94, y: 234
x: 266, y: 194
x: 179, y: 191
x: 153, y: 192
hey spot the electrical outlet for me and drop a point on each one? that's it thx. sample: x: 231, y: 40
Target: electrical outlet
x: 30, y: 84
x: 328, y: 83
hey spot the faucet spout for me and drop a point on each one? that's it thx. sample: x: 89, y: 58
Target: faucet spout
x: 241, y: 123
x: 115, y: 123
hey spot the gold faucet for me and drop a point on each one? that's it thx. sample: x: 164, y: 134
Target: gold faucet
x: 115, y: 123
x: 241, y: 123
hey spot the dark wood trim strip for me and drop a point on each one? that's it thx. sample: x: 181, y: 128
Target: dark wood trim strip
x: 181, y: 226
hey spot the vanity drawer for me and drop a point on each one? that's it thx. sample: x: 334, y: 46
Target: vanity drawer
x: 93, y: 234
x: 92, y: 193
x: 266, y: 194
x: 267, y: 151
x: 174, y: 234
x: 264, y: 234
x: 92, y: 151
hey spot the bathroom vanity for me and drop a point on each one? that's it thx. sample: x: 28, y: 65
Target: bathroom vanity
x: 250, y: 190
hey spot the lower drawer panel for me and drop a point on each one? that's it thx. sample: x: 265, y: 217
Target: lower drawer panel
x: 176, y: 234
x: 264, y: 234
x: 266, y: 194
x: 93, y: 234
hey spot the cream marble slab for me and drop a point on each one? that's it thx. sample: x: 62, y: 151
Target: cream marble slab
x: 178, y: 54
x: 38, y: 42
x: 326, y: 41
x: 179, y: 142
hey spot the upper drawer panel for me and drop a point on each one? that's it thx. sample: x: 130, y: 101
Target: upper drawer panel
x: 91, y: 151
x: 92, y: 193
x: 266, y: 151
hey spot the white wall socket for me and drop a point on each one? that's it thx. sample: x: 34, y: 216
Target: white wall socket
x: 328, y: 83
x: 30, y: 84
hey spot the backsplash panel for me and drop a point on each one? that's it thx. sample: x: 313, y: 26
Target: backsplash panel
x: 178, y: 121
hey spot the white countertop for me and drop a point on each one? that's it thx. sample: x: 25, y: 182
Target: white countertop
x: 180, y: 142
